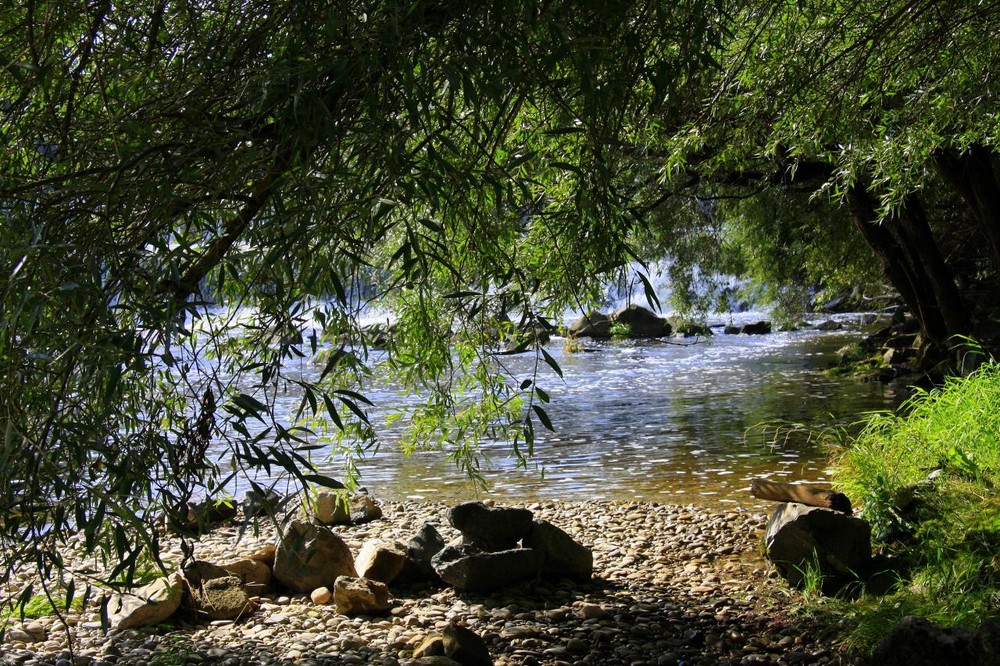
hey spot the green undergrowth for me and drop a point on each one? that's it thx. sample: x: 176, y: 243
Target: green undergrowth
x: 926, y: 479
x: 37, y: 606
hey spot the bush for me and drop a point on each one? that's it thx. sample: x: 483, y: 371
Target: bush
x: 926, y: 479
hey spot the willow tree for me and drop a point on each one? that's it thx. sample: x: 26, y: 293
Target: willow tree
x: 195, y: 195
x: 884, y: 108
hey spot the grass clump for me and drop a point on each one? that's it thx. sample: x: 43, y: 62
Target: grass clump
x: 927, y: 479
x: 620, y: 330
x: 38, y: 606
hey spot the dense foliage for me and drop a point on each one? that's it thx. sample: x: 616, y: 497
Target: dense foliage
x: 927, y: 480
x: 191, y: 187
x: 199, y: 195
x: 886, y: 108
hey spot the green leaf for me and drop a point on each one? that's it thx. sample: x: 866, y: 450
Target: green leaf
x: 552, y: 363
x: 543, y: 417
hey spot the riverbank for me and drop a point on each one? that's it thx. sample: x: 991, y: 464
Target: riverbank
x: 672, y: 584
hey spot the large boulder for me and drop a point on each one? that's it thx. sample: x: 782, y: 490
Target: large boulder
x: 594, y: 324
x: 310, y: 556
x: 642, y: 323
x: 149, y: 605
x: 915, y: 641
x: 562, y: 556
x: 466, y: 569
x: 490, y: 528
x: 801, y: 537
x: 360, y: 596
x: 757, y: 328
x: 380, y: 561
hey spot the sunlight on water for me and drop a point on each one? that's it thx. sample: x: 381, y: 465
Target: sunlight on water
x: 651, y: 421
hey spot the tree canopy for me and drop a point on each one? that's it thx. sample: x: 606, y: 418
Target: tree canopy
x: 191, y: 187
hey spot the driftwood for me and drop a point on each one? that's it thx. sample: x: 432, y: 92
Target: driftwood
x: 810, y: 494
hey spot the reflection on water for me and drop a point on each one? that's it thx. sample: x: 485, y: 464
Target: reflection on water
x: 656, y: 422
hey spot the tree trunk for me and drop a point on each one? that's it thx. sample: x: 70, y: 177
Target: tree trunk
x: 972, y: 176
x: 918, y: 238
x: 904, y: 274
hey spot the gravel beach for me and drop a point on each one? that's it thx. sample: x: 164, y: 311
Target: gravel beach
x: 672, y: 585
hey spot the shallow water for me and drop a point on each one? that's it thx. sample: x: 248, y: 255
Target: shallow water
x: 655, y: 421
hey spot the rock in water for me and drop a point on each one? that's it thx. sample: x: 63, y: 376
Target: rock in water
x: 642, y: 323
x: 799, y: 537
x: 591, y: 325
x: 490, y: 528
x: 563, y: 556
x: 311, y: 556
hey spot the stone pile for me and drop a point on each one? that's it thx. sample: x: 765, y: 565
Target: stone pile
x: 670, y: 585
x: 497, y: 547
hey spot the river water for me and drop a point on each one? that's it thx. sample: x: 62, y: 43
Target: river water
x: 654, y: 421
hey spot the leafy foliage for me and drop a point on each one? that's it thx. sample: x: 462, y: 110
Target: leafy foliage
x: 195, y: 195
x: 927, y: 481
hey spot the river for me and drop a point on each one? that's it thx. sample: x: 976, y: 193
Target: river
x: 654, y: 421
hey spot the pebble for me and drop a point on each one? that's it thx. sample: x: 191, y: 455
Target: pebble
x: 672, y: 585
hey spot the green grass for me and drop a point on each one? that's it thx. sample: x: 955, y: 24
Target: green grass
x: 38, y: 606
x: 620, y: 330
x: 927, y: 481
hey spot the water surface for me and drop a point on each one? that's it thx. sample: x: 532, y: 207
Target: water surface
x: 655, y: 421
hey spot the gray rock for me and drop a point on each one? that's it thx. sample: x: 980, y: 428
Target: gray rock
x: 563, y: 556
x: 147, y: 606
x: 360, y: 596
x: 490, y: 528
x: 642, y: 323
x: 594, y: 324
x: 465, y: 646
x: 466, y: 569
x: 918, y: 642
x: 258, y: 503
x: 311, y: 556
x: 799, y: 537
x: 421, y: 549
x: 757, y: 328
